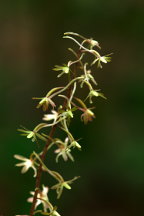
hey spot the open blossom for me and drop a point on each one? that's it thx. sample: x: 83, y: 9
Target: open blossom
x: 27, y: 163
x: 63, y: 150
x: 49, y: 117
x: 42, y: 198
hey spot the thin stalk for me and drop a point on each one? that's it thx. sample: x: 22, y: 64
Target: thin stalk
x: 65, y: 88
x: 45, y: 149
x: 39, y: 173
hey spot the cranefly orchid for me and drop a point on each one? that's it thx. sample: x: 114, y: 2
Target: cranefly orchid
x: 58, y: 116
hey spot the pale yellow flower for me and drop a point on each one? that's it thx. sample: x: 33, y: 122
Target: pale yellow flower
x: 63, y: 150
x: 27, y: 163
x: 49, y: 117
x: 42, y: 198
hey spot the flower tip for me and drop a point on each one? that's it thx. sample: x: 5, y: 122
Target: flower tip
x: 67, y: 186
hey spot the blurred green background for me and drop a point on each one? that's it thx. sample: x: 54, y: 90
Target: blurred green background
x: 111, y: 164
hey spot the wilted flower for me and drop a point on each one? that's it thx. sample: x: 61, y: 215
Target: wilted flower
x: 49, y: 117
x: 93, y: 43
x: 87, y: 115
x: 44, y: 103
x: 63, y: 150
x: 28, y: 163
x: 42, y: 198
x: 64, y: 69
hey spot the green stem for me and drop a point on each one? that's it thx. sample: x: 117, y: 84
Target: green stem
x: 55, y: 174
x: 65, y: 88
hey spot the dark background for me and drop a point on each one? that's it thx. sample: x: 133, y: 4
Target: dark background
x: 111, y: 164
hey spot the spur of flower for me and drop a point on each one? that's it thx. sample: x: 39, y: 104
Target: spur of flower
x: 26, y: 164
x: 64, y: 69
x: 64, y: 184
x: 42, y: 198
x: 63, y: 150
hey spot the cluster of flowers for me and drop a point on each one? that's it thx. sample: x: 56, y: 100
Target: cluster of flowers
x: 60, y: 116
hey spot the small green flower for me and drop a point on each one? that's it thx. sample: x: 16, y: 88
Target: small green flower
x: 66, y: 115
x: 103, y: 59
x: 64, y: 69
x: 33, y: 134
x: 60, y: 186
x: 95, y: 93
